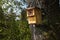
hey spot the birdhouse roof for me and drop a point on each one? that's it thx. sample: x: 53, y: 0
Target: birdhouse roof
x: 32, y: 8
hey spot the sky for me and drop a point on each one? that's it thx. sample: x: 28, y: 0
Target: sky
x: 15, y: 7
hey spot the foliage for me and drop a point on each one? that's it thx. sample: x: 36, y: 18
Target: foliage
x: 11, y: 29
x: 24, y: 27
x: 8, y: 27
x: 24, y: 31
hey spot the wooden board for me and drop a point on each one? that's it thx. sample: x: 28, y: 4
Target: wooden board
x: 30, y: 12
x: 31, y: 20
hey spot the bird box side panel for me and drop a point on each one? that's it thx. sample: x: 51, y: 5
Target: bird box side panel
x: 38, y: 16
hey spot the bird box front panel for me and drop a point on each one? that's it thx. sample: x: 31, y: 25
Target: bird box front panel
x: 30, y: 12
x: 31, y: 20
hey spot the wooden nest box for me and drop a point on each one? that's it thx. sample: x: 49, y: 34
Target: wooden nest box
x: 34, y: 15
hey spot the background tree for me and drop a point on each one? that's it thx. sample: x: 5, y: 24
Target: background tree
x: 51, y: 10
